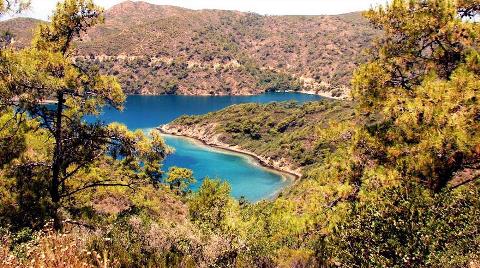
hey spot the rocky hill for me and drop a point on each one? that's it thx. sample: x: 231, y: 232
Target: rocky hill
x: 157, y: 49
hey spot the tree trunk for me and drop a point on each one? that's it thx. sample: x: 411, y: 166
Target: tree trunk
x: 57, y: 163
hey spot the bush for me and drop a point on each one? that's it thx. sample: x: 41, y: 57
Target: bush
x: 210, y: 206
x: 409, y: 226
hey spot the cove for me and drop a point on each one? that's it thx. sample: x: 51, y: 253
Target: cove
x: 246, y: 177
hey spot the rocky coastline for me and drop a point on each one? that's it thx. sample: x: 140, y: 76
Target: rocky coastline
x: 206, y: 136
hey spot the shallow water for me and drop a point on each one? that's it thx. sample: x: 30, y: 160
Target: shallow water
x: 246, y: 177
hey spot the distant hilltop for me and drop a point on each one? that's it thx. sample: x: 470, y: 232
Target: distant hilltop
x: 156, y: 49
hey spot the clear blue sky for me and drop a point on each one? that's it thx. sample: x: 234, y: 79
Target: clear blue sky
x: 42, y: 9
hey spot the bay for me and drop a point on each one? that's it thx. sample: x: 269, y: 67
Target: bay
x: 246, y: 177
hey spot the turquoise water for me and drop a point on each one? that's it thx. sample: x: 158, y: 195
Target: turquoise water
x: 246, y: 178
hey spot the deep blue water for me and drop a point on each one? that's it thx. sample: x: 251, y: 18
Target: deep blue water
x: 246, y: 178
x: 151, y: 111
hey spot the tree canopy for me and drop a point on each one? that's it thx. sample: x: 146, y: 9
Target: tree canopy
x: 420, y: 91
x: 43, y: 91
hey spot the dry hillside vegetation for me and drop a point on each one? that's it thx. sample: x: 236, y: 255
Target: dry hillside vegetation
x: 157, y: 49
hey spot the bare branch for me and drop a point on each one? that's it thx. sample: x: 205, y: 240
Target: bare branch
x: 474, y: 178
x: 88, y: 226
x: 79, y: 167
x: 105, y: 183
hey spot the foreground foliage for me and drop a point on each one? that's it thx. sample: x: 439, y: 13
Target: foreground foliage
x: 408, y: 226
x: 55, y: 150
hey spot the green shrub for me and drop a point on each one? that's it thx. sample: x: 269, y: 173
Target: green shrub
x: 409, y: 226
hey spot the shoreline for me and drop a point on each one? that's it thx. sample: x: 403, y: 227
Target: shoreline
x: 48, y: 102
x: 321, y: 94
x: 289, y: 174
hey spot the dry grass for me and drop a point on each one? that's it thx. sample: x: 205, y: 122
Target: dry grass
x: 59, y: 250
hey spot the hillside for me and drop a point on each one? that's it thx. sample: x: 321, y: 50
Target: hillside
x: 22, y: 30
x: 157, y: 49
x: 281, y: 135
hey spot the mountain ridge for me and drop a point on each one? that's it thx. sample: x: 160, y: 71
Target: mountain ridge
x: 157, y: 49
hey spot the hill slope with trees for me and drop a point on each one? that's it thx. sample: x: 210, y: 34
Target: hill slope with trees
x: 156, y: 49
x: 283, y: 135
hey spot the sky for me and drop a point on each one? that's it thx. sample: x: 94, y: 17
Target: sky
x: 42, y: 9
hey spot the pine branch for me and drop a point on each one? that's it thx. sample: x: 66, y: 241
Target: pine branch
x: 105, y: 183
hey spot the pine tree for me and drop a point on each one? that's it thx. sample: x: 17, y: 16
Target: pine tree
x: 420, y: 92
x: 179, y: 179
x: 79, y: 155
